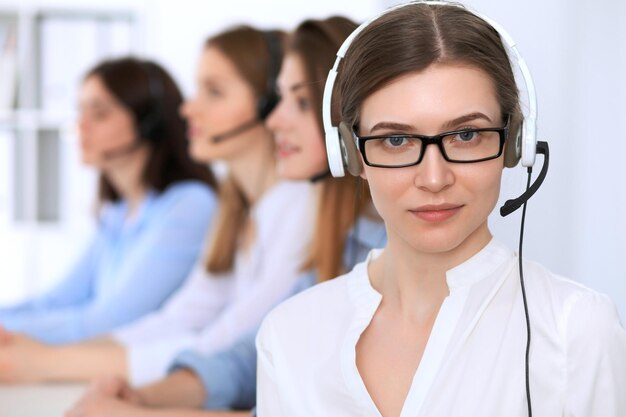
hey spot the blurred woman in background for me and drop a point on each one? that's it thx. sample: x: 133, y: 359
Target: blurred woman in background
x: 347, y: 227
x: 154, y: 208
x: 257, y: 245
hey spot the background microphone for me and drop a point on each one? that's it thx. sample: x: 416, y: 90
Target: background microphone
x: 122, y: 150
x: 236, y: 131
x: 511, y: 205
x: 320, y: 176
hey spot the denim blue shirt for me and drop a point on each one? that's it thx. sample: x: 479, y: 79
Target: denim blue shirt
x: 129, y: 269
x: 229, y: 376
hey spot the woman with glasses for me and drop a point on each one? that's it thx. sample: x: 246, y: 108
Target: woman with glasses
x: 434, y: 324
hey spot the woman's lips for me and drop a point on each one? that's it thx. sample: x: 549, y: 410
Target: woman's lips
x: 436, y: 213
x: 285, y: 150
x: 193, y: 132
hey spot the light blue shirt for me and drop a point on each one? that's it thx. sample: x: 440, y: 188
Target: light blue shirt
x: 128, y: 270
x: 229, y: 376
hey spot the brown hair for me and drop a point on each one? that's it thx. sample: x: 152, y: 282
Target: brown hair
x: 131, y: 81
x: 249, y: 50
x: 316, y: 42
x: 416, y: 36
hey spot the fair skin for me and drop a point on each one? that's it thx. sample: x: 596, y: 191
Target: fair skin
x: 251, y: 163
x: 301, y: 155
x: 299, y: 140
x: 435, y: 214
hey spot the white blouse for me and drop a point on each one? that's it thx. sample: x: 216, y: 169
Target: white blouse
x: 473, y: 364
x: 209, y: 312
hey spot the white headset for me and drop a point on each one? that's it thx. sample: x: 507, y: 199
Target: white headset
x: 526, y: 142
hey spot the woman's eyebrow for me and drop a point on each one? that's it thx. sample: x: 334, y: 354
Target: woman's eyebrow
x: 297, y: 86
x: 401, y: 127
x: 293, y: 87
x: 466, y: 118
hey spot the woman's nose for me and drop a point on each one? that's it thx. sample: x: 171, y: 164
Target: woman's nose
x: 433, y: 173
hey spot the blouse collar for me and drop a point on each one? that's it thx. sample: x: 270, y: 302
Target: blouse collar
x: 482, y: 265
x: 479, y: 266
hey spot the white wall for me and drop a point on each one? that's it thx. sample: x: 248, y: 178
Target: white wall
x: 177, y: 29
x: 577, y: 53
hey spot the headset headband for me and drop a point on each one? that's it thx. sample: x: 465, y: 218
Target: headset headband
x: 270, y: 98
x: 529, y: 126
x: 150, y: 123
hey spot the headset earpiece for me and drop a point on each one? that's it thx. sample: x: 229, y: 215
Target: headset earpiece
x: 147, y: 126
x: 513, y: 149
x: 349, y: 151
x: 266, y: 104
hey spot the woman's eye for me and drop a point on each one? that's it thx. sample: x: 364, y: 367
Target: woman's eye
x: 211, y: 90
x: 395, y: 141
x: 97, y: 114
x: 304, y: 104
x: 467, y: 135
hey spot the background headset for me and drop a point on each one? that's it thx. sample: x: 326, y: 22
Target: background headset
x: 150, y: 123
x: 268, y: 101
x: 342, y: 151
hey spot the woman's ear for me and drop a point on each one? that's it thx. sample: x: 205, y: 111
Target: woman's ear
x: 362, y: 174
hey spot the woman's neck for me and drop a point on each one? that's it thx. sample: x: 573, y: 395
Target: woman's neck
x: 127, y: 178
x: 414, y: 281
x: 254, y: 170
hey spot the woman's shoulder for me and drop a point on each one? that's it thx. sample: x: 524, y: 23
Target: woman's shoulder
x: 561, y: 289
x: 318, y: 297
x: 287, y: 210
x: 317, y: 307
x: 188, y: 188
x: 577, y: 308
x: 187, y: 195
x: 286, y: 192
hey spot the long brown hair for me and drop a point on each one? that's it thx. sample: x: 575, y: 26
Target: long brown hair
x: 248, y: 49
x: 134, y: 83
x: 342, y: 200
x: 416, y: 36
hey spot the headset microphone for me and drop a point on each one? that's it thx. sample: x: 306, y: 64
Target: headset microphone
x: 236, y: 131
x: 511, y: 205
x: 122, y: 151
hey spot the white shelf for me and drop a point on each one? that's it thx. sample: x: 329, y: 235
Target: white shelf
x: 48, y: 81
x: 24, y: 119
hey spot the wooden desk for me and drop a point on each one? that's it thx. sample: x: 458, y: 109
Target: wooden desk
x: 48, y: 400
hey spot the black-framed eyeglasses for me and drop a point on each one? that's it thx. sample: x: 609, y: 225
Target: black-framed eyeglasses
x: 460, y: 146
